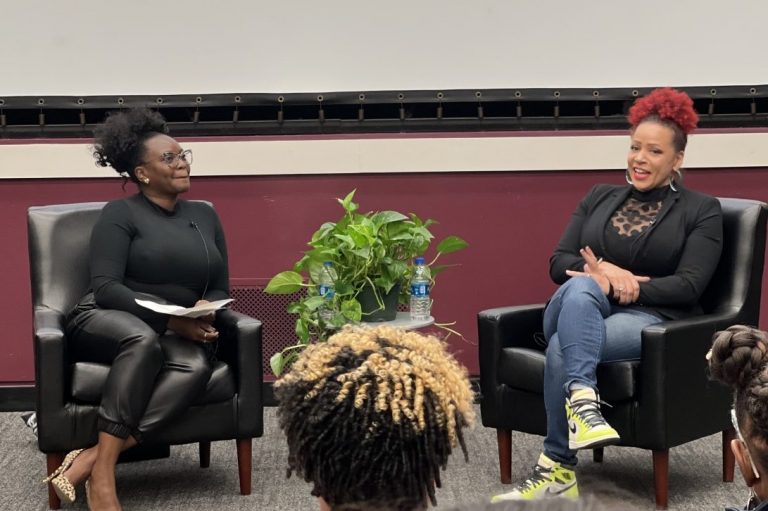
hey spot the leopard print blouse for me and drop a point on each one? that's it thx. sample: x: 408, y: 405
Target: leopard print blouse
x: 637, y: 213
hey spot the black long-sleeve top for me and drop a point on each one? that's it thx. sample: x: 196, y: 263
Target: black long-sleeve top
x: 679, y: 251
x: 139, y: 247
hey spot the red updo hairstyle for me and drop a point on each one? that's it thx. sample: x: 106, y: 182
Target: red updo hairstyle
x: 668, y: 107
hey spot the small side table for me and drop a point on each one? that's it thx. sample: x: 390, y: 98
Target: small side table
x: 403, y: 320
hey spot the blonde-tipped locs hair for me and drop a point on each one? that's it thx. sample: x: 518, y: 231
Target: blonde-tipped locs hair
x: 372, y: 415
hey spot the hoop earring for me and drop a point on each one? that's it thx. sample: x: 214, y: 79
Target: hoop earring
x: 672, y: 179
x: 627, y: 178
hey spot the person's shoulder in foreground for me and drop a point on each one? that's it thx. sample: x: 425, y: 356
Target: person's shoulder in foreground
x: 761, y: 507
x: 585, y: 503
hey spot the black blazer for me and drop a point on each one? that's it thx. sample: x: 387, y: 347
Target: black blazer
x: 680, y: 251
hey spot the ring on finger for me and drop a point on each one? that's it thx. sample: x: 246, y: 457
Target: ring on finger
x: 621, y: 288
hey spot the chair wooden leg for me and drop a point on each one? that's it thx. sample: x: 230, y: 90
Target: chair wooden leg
x: 661, y: 477
x: 53, y: 460
x: 205, y: 454
x: 597, y: 455
x: 244, y: 453
x: 729, y: 459
x: 504, y: 439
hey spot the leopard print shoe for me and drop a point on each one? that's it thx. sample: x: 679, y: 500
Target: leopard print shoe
x: 61, y: 485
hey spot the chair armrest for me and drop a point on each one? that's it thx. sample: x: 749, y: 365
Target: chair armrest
x: 50, y: 359
x: 50, y: 348
x: 501, y: 328
x: 512, y: 326
x: 240, y: 347
x: 674, y: 378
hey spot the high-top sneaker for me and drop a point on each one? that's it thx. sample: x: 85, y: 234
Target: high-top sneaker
x: 586, y: 427
x: 549, y: 479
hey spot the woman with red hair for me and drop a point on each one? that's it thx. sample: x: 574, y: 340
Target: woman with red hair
x: 631, y: 256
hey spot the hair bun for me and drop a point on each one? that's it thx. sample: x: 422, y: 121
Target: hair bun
x: 738, y: 353
x: 666, y: 103
x: 119, y: 141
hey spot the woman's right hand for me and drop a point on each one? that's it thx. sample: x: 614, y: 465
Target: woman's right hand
x: 601, y: 280
x: 193, y: 329
x: 626, y: 285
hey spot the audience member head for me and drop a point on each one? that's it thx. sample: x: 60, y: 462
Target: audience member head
x: 660, y: 123
x: 371, y: 417
x: 739, y: 358
x: 134, y: 143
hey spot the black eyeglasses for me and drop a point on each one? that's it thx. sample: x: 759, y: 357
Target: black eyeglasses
x: 171, y: 159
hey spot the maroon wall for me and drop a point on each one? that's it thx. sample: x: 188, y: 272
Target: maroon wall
x: 511, y: 220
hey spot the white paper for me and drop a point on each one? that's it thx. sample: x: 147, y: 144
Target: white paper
x: 189, y: 312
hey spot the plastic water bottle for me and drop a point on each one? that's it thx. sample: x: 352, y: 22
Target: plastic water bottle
x: 420, y: 301
x: 326, y: 290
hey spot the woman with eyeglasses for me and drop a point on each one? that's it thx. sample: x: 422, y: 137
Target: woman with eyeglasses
x: 151, y: 243
x: 739, y: 358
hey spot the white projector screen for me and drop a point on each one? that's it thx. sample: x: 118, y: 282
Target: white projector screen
x: 97, y: 47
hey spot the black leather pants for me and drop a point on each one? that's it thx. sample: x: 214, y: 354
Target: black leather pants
x: 153, y: 379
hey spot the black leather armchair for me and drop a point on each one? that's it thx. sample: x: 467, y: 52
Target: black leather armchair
x: 663, y: 400
x: 68, y: 392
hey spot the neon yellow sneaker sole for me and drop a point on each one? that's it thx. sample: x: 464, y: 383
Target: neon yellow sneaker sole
x: 545, y: 483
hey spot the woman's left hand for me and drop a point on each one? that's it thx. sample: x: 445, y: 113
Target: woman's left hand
x: 193, y: 329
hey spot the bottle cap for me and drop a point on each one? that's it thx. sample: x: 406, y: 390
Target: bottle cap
x: 419, y: 260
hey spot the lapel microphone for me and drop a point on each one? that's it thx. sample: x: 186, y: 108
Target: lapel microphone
x: 193, y: 225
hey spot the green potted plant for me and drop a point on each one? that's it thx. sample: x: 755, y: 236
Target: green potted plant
x: 370, y: 256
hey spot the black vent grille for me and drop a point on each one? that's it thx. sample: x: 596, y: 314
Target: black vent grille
x: 277, y: 324
x: 375, y: 111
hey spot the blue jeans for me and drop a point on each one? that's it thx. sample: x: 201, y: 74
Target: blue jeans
x: 582, y: 328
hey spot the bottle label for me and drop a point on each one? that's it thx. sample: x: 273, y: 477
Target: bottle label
x: 326, y: 291
x: 420, y: 290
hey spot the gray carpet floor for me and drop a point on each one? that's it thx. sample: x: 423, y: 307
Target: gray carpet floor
x: 177, y: 483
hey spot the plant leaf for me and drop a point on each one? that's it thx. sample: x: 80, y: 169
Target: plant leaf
x: 385, y: 284
x: 302, y: 330
x: 387, y: 217
x: 339, y: 320
x: 362, y: 235
x: 276, y: 363
x: 423, y: 231
x: 347, y: 203
x: 364, y: 252
x: 351, y: 310
x: 397, y: 270
x: 451, y: 244
x: 314, y: 302
x: 343, y: 288
x: 323, y: 231
x: 347, y: 239
x: 284, y: 283
x: 403, y: 236
x: 315, y: 268
x: 294, y: 307
x: 438, y: 268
